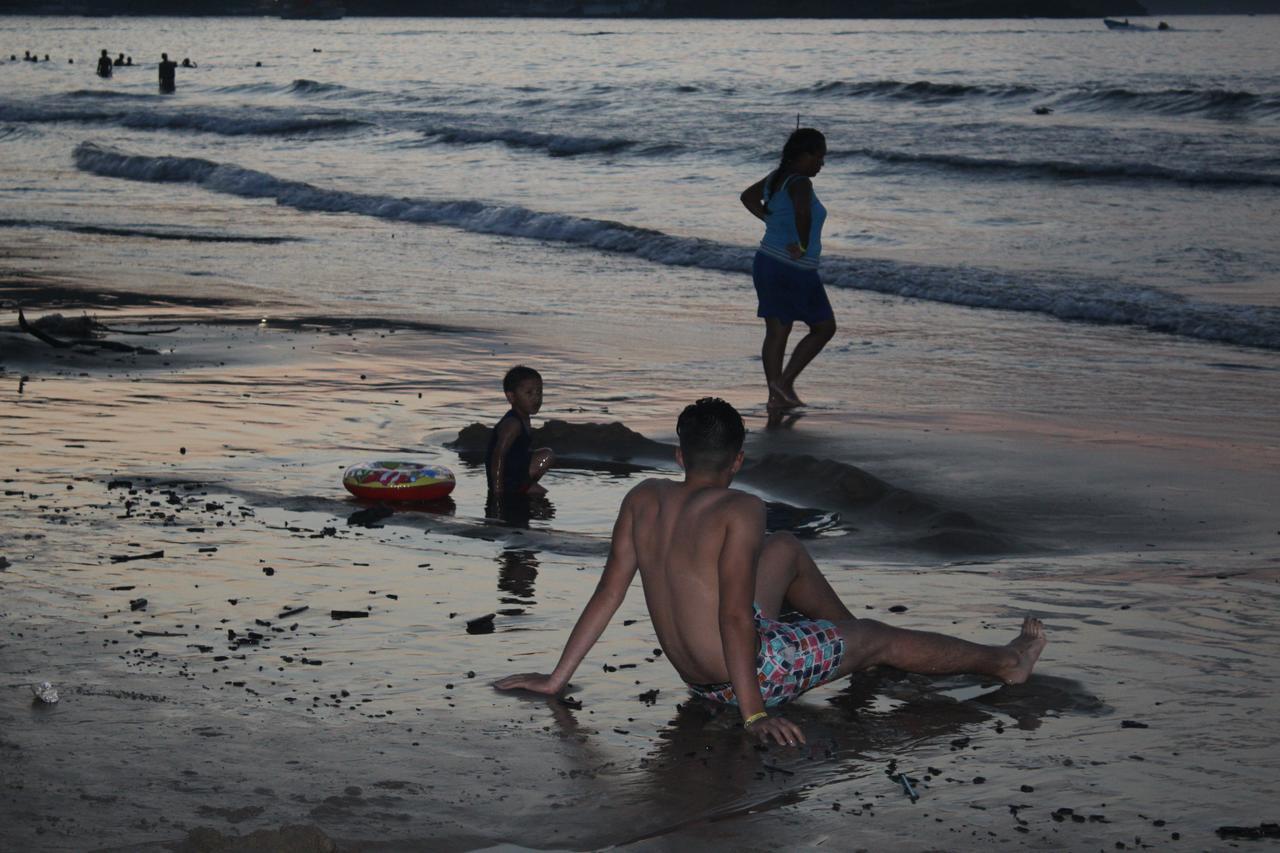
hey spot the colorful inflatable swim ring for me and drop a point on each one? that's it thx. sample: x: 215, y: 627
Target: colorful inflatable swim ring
x: 398, y: 481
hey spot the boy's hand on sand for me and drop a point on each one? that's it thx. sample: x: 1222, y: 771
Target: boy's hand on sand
x: 782, y: 730
x: 536, y: 681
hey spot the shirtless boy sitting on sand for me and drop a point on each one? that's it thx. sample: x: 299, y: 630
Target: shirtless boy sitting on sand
x: 715, y: 584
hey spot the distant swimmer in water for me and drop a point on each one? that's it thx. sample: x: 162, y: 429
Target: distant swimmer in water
x: 119, y: 63
x: 128, y: 60
x: 785, y: 269
x: 168, y: 67
x: 187, y: 63
x: 104, y: 65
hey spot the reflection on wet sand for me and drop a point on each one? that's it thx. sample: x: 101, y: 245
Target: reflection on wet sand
x: 372, y: 514
x: 780, y: 419
x: 517, y: 570
x: 852, y: 738
x: 519, y: 510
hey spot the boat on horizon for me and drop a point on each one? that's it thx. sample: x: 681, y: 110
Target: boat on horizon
x: 1113, y: 24
x: 312, y: 10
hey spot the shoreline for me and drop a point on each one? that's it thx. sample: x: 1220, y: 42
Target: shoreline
x: 358, y: 367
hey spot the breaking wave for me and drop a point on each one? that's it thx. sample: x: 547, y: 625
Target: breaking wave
x: 1210, y: 103
x: 920, y: 90
x: 556, y: 145
x: 239, y: 123
x: 314, y: 87
x: 1065, y: 298
x: 1215, y: 103
x: 1069, y: 169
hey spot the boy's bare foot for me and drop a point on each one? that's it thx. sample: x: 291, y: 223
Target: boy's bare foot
x: 1027, y: 648
x: 536, y: 489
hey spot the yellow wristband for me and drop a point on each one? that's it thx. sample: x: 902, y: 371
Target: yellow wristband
x: 754, y: 718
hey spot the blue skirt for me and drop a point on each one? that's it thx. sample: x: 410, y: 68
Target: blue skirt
x: 789, y: 293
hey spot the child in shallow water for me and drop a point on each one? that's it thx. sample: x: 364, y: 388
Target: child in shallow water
x: 511, y: 464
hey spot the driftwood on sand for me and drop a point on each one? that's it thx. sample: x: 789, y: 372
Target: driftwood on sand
x: 83, y: 329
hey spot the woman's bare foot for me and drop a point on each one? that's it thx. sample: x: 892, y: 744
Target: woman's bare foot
x: 1027, y: 648
x: 785, y: 395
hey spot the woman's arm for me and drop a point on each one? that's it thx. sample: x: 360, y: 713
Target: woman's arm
x: 753, y: 200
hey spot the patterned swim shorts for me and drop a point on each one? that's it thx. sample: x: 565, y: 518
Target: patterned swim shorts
x: 793, y: 657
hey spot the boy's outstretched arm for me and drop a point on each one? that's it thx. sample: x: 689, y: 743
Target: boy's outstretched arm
x: 743, y: 540
x: 619, y: 570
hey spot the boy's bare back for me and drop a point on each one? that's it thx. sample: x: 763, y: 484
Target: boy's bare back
x: 680, y: 536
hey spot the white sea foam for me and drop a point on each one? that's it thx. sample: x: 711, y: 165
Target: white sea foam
x: 1063, y: 297
x: 1210, y: 102
x: 557, y: 145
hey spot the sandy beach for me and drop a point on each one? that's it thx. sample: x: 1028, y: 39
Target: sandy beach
x: 1052, y: 392
x: 177, y: 554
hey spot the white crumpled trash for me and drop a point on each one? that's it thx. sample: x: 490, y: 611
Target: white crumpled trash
x: 45, y: 692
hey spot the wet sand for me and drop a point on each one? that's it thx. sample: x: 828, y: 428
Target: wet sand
x: 166, y: 518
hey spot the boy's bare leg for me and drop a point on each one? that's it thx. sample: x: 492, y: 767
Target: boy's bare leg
x: 868, y: 643
x: 785, y: 571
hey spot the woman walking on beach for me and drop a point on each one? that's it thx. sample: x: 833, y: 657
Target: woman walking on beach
x: 786, y: 264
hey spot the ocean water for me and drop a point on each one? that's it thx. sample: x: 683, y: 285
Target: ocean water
x: 574, y: 184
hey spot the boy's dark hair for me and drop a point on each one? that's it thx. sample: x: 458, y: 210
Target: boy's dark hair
x: 519, y: 374
x: 711, y: 434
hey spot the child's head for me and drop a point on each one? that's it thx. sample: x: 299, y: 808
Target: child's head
x: 523, y: 388
x: 711, y: 435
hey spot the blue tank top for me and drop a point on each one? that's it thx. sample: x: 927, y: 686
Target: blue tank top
x: 780, y: 227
